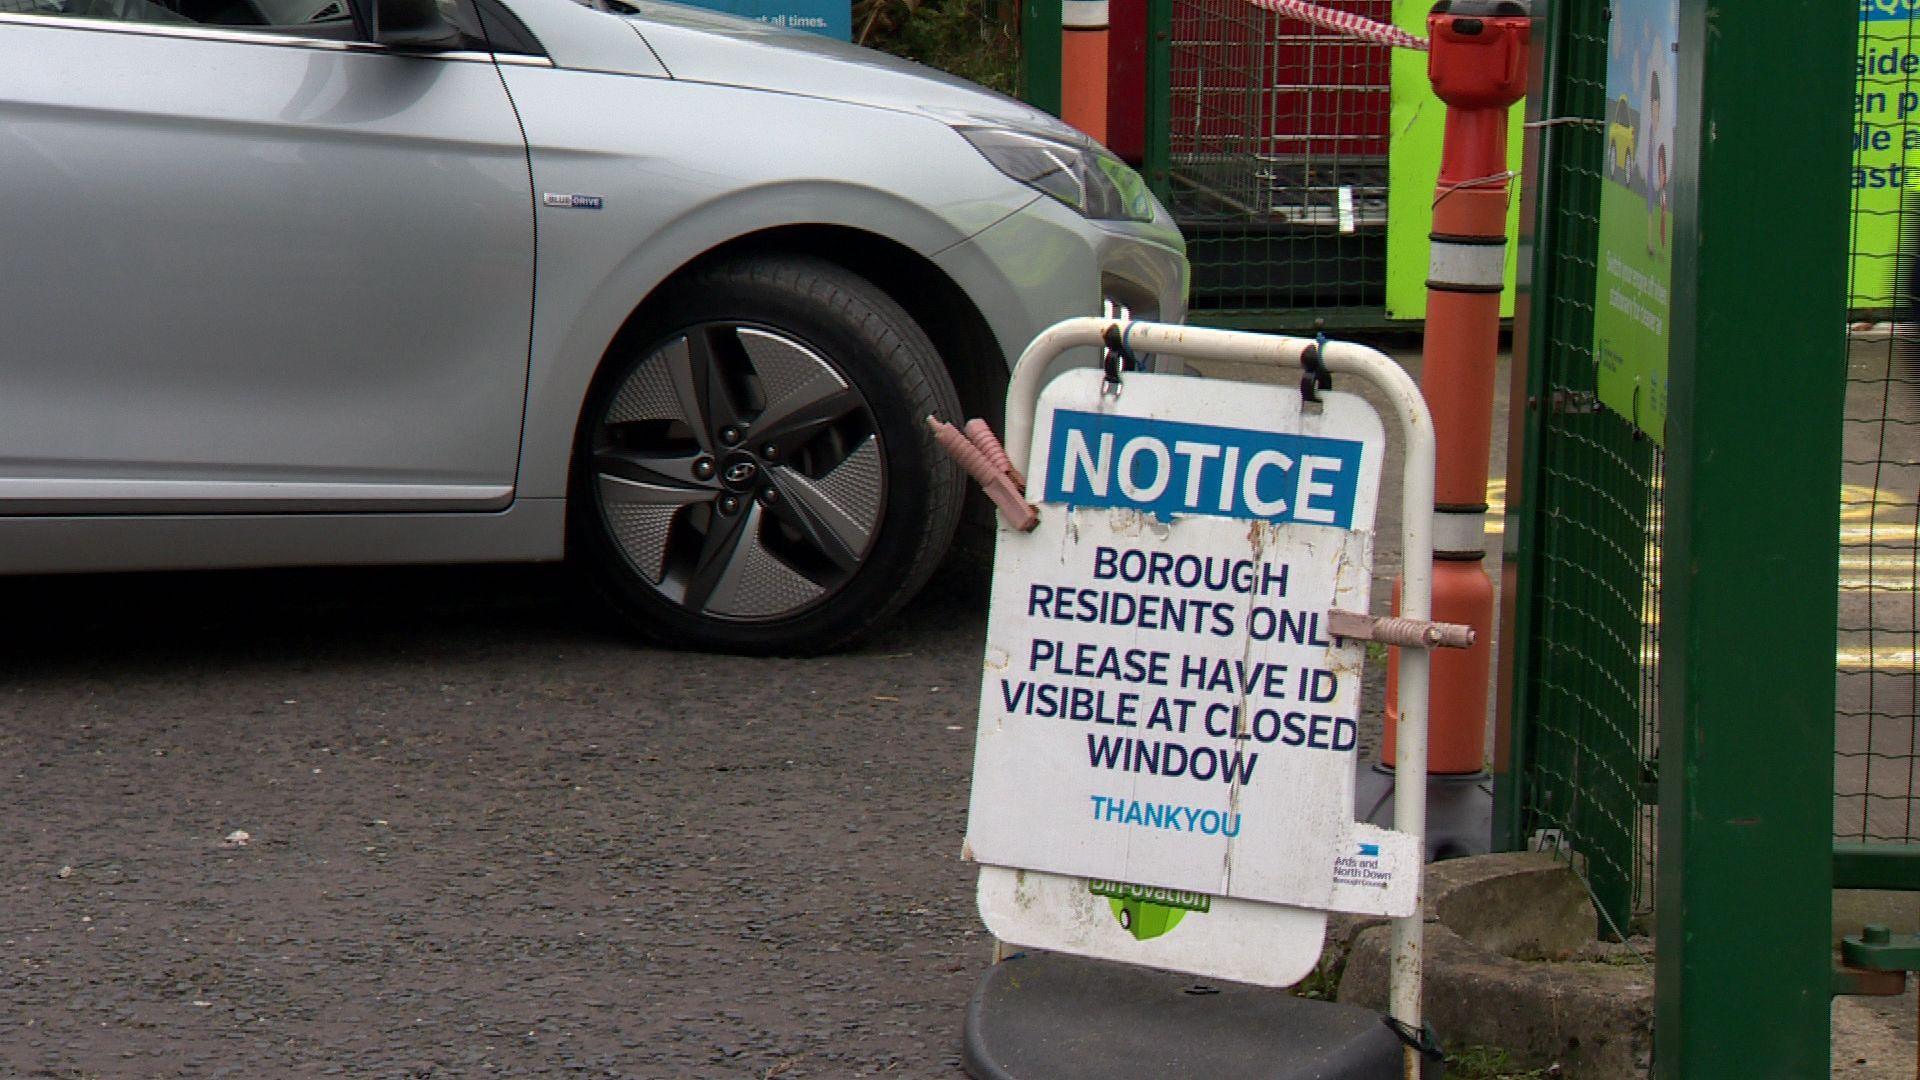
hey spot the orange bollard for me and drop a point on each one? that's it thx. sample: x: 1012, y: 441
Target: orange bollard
x: 1462, y: 593
x: 1477, y: 64
x: 1083, y: 66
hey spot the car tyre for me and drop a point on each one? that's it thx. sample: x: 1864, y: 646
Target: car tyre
x: 753, y: 472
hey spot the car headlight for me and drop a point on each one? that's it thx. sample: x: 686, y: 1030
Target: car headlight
x: 1085, y: 176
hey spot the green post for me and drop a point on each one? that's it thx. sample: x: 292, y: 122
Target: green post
x: 1752, y: 480
x: 1528, y: 374
x: 1156, y: 157
x: 1040, y: 54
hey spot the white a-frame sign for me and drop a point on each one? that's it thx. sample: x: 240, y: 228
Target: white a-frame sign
x: 1168, y: 734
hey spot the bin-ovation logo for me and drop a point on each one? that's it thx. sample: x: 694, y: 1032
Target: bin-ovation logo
x: 1146, y: 911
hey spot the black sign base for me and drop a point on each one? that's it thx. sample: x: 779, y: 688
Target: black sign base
x: 1459, y: 810
x: 1045, y: 1016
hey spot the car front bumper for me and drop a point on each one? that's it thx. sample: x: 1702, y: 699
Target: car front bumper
x: 1044, y: 263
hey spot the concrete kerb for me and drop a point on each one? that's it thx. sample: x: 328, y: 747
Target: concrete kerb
x: 1513, y: 963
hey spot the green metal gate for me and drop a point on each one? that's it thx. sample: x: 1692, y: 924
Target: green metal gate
x: 1669, y: 717
x: 1877, y: 748
x: 1584, y: 762
x: 1586, y: 639
x: 1877, y: 744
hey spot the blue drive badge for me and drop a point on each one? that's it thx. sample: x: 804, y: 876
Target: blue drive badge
x: 1165, y: 468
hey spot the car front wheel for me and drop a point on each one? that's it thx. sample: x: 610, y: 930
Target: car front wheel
x: 753, y: 471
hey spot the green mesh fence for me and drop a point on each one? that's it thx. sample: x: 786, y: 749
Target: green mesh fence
x: 1587, y: 696
x: 1277, y: 163
x: 1876, y: 752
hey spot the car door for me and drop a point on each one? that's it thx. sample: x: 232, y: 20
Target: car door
x: 255, y: 269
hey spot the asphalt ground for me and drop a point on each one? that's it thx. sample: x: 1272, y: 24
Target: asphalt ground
x: 489, y: 837
x: 486, y: 838
x: 485, y: 835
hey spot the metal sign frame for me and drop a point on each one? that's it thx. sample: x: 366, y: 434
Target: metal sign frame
x: 1409, y: 409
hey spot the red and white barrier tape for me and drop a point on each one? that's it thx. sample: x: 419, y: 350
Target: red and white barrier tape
x: 1354, y: 25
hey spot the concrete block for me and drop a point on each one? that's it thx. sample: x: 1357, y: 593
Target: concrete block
x: 1526, y: 905
x: 1592, y: 1017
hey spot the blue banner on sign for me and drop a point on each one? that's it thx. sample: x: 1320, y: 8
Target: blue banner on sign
x: 1165, y: 468
x: 828, y: 18
x: 1881, y: 10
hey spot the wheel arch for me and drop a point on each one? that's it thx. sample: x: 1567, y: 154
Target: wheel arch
x: 599, y: 274
x: 972, y: 355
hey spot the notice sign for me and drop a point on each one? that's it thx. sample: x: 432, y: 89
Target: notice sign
x: 1162, y: 705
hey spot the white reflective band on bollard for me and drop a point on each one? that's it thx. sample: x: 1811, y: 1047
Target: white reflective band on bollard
x: 1467, y: 266
x: 1083, y: 15
x: 1459, y: 530
x: 1402, y: 397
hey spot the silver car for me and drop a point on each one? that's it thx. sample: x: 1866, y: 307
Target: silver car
x: 662, y: 292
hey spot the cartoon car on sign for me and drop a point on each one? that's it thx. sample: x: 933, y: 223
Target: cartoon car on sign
x: 1145, y: 919
x: 1622, y: 121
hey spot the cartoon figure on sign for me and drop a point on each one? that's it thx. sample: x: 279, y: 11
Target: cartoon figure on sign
x: 1656, y: 170
x: 1666, y: 197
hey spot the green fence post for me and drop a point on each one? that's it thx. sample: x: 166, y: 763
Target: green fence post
x: 1156, y: 154
x: 1040, y: 54
x: 1752, y: 481
x: 1575, y: 554
x: 1530, y: 344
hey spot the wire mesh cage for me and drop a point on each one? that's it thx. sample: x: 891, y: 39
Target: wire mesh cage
x: 1876, y: 750
x: 1278, y: 158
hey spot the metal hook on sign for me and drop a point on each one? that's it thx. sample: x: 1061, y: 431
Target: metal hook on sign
x: 1117, y: 357
x: 1317, y: 377
x: 1423, y: 1042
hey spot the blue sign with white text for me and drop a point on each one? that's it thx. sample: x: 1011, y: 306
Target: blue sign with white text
x: 1165, y: 468
x: 828, y: 18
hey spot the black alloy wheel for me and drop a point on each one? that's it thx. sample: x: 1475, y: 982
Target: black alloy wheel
x: 756, y: 477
